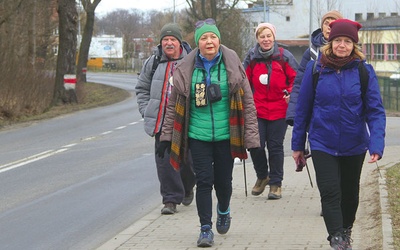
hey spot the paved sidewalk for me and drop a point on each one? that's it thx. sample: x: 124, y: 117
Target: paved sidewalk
x: 291, y: 223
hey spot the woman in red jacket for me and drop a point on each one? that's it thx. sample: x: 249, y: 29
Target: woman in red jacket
x: 271, y: 71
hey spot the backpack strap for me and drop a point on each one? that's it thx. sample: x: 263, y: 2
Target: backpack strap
x: 314, y: 51
x: 364, y: 79
x: 156, y: 61
x: 282, y: 62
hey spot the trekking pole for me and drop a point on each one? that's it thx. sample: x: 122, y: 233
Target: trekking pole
x: 309, y: 176
x: 245, y: 181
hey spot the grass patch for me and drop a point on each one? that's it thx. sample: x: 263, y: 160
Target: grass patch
x: 393, y: 184
x: 95, y: 95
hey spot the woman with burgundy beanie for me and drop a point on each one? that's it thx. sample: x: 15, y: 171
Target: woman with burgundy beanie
x: 271, y: 71
x: 318, y: 39
x: 344, y: 122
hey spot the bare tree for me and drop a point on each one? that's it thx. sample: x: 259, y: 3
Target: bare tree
x: 228, y: 18
x: 68, y: 17
x: 89, y: 6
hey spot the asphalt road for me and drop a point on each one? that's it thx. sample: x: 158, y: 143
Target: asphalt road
x: 75, y: 181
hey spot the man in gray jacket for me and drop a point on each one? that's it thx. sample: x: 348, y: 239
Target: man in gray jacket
x: 152, y: 91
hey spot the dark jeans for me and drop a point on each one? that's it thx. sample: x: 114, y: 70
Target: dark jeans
x: 272, y: 134
x: 338, y: 180
x: 173, y: 185
x: 213, y: 166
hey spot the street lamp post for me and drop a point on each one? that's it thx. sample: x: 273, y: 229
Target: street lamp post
x: 265, y: 11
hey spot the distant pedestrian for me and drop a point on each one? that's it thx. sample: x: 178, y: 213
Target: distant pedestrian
x: 153, y: 90
x: 211, y: 112
x: 345, y: 117
x: 318, y: 39
x: 271, y: 71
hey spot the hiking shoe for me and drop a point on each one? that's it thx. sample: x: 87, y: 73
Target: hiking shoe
x: 206, y: 238
x: 338, y: 242
x: 260, y: 186
x: 223, y: 221
x: 169, y: 208
x: 275, y: 192
x: 347, y: 238
x: 187, y: 200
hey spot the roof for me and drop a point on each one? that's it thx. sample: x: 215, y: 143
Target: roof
x: 386, y: 23
x: 294, y: 42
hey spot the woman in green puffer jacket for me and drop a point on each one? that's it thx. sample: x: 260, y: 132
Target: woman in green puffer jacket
x: 211, y: 112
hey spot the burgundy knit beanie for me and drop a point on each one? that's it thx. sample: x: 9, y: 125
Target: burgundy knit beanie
x: 344, y: 27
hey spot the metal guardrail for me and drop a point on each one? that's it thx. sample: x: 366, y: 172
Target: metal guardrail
x: 390, y: 91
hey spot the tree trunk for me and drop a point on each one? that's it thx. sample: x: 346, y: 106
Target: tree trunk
x: 66, y: 59
x: 86, y: 39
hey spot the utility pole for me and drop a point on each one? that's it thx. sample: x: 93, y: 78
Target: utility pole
x: 174, y: 11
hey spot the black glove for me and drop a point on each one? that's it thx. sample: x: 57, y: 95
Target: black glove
x: 252, y: 150
x: 162, y: 146
x: 290, y: 122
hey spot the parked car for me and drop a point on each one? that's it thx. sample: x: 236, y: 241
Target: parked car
x: 395, y: 76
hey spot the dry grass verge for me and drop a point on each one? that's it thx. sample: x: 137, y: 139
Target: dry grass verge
x: 393, y: 184
x: 95, y: 95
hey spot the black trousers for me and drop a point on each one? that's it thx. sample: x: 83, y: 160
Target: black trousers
x: 213, y: 167
x: 173, y: 185
x: 272, y: 134
x: 338, y: 180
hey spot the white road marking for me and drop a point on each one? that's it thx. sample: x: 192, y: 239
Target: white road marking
x: 30, y: 159
x: 48, y: 153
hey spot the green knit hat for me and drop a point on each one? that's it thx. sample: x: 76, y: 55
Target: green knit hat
x: 205, y: 26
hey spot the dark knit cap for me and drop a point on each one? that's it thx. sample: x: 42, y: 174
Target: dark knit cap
x: 344, y: 27
x: 171, y: 29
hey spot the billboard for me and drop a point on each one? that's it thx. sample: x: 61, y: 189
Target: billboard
x: 106, y: 47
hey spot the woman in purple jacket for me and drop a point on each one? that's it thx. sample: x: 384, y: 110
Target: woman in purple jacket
x: 343, y: 124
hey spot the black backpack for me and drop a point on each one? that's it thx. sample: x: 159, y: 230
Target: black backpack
x: 363, y: 74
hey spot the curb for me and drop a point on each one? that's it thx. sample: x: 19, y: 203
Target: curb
x: 387, y: 232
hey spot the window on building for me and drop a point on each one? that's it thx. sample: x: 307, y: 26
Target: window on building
x: 55, y: 31
x: 370, y: 16
x: 391, y: 52
x: 367, y: 51
x: 382, y: 14
x: 276, y: 2
x: 287, y: 18
x: 394, y: 14
x: 55, y: 49
x: 379, y: 52
x: 358, y: 17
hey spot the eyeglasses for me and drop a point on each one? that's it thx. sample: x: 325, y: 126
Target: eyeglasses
x: 202, y: 22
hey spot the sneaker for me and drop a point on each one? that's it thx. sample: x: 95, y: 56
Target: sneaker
x: 206, y: 238
x: 275, y: 192
x: 223, y: 221
x: 338, y: 242
x: 260, y: 186
x: 347, y: 238
x: 187, y: 200
x: 169, y: 208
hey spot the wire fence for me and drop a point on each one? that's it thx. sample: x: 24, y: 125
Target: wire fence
x: 390, y: 93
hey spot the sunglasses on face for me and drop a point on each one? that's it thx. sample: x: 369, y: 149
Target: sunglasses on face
x: 202, y: 22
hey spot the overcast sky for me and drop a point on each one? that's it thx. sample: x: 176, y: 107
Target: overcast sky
x: 106, y: 6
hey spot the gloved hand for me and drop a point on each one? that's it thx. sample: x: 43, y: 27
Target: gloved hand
x: 162, y: 146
